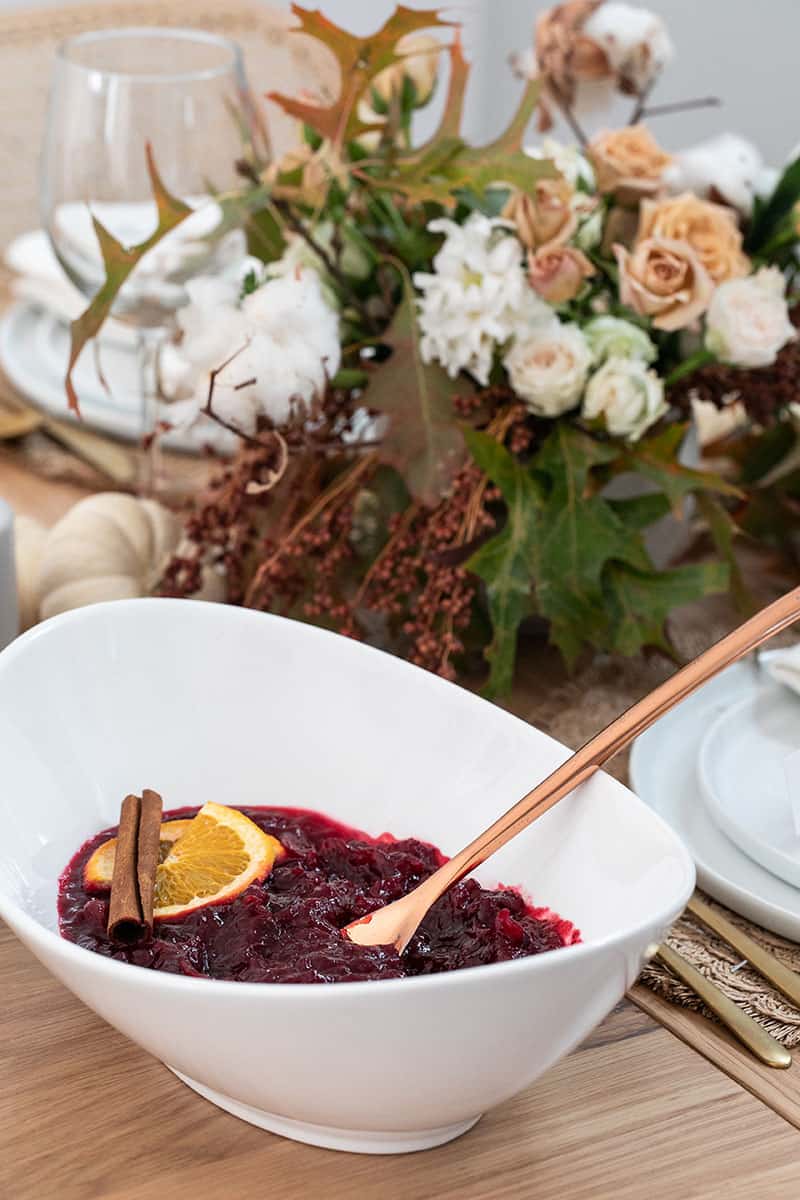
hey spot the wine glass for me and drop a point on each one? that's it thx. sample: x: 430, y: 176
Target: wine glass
x: 183, y: 92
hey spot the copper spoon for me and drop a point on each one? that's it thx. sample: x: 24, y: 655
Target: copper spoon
x: 396, y: 923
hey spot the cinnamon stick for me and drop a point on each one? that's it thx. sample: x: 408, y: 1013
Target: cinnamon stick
x: 149, y: 847
x: 130, y: 912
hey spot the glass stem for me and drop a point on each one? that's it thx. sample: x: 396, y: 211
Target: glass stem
x: 148, y: 348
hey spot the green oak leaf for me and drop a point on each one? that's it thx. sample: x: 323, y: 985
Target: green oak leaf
x: 581, y: 533
x: 359, y: 60
x: 423, y: 442
x: 637, y: 512
x: 574, y: 557
x: 446, y: 164
x: 724, y: 532
x: 507, y: 562
x: 772, y: 215
x: 638, y: 602
x: 657, y: 459
x: 119, y: 261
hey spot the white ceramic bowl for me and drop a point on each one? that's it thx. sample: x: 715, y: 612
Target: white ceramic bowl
x: 209, y: 702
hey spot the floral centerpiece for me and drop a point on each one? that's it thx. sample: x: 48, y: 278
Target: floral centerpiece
x: 446, y: 353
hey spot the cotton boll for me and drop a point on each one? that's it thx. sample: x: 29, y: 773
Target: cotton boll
x: 280, y: 346
x: 728, y: 165
x: 634, y: 40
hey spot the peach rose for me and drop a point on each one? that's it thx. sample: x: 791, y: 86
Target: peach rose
x: 710, y: 229
x: 557, y: 273
x: 545, y: 218
x: 628, y: 160
x: 664, y: 279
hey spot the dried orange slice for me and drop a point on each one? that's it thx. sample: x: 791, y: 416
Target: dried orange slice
x: 99, y: 868
x: 220, y: 854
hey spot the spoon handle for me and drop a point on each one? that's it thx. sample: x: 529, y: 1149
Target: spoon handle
x: 396, y: 923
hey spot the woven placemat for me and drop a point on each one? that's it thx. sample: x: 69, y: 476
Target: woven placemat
x: 724, y: 967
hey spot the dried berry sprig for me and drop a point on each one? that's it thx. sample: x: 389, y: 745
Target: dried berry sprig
x: 765, y: 392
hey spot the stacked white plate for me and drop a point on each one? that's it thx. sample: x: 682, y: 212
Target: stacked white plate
x: 34, y: 352
x: 723, y: 769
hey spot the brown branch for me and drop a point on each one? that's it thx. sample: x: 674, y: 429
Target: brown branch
x: 641, y: 100
x: 402, y: 527
x: 659, y: 110
x: 273, y: 441
x: 297, y: 226
x: 339, y: 486
x: 566, y: 111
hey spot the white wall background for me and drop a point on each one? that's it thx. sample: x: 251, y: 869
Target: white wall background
x: 747, y: 52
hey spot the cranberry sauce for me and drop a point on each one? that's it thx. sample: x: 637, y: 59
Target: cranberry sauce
x: 287, y: 928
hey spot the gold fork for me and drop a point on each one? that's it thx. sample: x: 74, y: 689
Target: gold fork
x: 112, y: 460
x: 744, y: 1028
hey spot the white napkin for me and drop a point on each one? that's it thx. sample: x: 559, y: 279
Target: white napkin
x: 39, y: 279
x: 783, y: 666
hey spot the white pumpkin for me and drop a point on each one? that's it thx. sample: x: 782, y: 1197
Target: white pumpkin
x: 29, y: 539
x: 110, y: 546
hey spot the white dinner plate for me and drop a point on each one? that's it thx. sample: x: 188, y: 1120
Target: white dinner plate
x: 742, y: 777
x: 663, y: 772
x: 34, y: 351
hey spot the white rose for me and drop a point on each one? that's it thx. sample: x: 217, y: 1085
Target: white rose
x: 728, y: 165
x: 747, y: 322
x: 548, y: 367
x: 612, y: 337
x: 635, y: 41
x: 626, y: 395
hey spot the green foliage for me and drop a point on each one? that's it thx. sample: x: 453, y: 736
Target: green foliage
x: 446, y: 166
x: 507, y: 562
x: 657, y: 459
x: 423, y: 441
x: 359, y: 60
x: 119, y: 261
x: 572, y: 556
x: 773, y: 220
x: 639, y: 602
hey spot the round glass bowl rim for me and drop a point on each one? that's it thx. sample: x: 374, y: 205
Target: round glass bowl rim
x: 234, y: 62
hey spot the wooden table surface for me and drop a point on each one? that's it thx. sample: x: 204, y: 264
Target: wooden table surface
x: 633, y: 1114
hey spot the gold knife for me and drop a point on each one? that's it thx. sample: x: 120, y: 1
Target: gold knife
x: 782, y: 977
x: 756, y: 1039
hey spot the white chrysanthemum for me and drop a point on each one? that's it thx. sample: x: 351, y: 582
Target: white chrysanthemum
x: 283, y: 345
x: 747, y: 322
x: 477, y: 296
x: 548, y: 367
x: 626, y: 396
